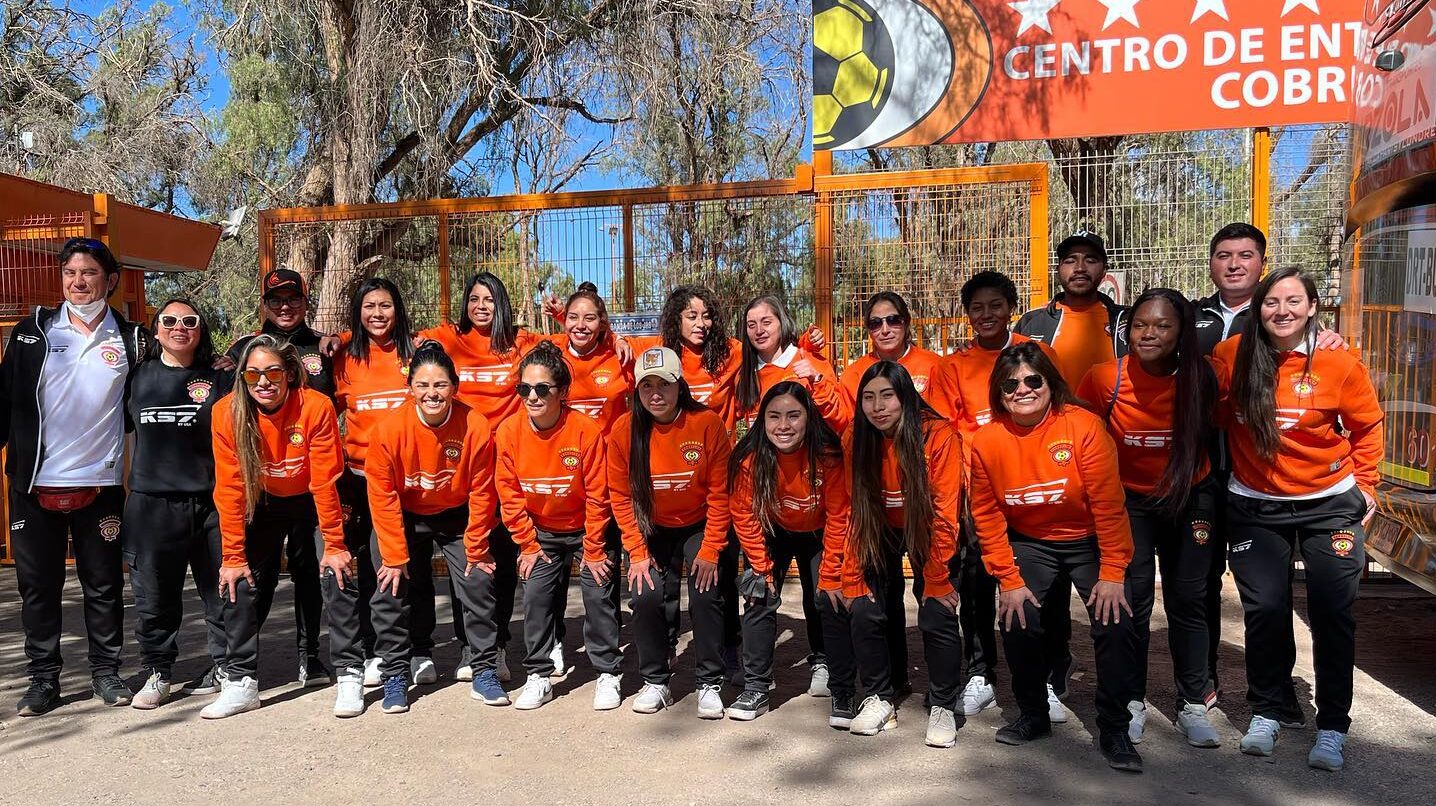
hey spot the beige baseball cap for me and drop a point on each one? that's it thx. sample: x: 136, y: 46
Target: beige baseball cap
x: 659, y: 361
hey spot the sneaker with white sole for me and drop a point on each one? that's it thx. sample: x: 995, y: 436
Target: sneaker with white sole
x: 749, y: 706
x: 1056, y: 711
x: 152, y: 694
x: 1138, y: 724
x: 654, y: 697
x: 235, y: 697
x: 840, y: 713
x: 1193, y: 723
x: 876, y: 716
x: 464, y: 671
x: 607, y: 692
x: 349, y: 694
x: 1261, y: 736
x: 1326, y: 754
x: 373, y: 673
x: 941, y: 727
x: 818, y: 683
x: 710, y: 702
x: 501, y: 666
x: 486, y: 687
x: 208, y: 683
x: 422, y: 671
x: 396, y: 694
x: 536, y: 691
x: 560, y: 668
x: 977, y: 696
x: 313, y: 673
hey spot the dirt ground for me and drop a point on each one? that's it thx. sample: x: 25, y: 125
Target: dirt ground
x: 452, y: 749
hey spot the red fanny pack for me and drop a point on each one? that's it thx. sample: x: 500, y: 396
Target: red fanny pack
x: 66, y: 499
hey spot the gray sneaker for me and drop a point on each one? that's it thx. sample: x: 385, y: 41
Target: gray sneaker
x: 154, y: 693
x: 874, y: 717
x: 941, y: 727
x: 1193, y: 723
x: 1326, y: 754
x: 1261, y: 736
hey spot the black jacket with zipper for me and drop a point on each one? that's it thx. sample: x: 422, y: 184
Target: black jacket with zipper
x: 1042, y: 324
x: 1211, y: 328
x: 20, y: 373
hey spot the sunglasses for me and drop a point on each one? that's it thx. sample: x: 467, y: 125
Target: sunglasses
x: 276, y: 303
x: 188, y: 321
x: 1033, y: 382
x: 274, y: 375
x: 540, y: 389
x: 891, y: 320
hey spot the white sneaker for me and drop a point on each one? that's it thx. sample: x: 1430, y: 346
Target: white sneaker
x: 653, y: 698
x: 501, y: 666
x: 1193, y: 723
x: 559, y: 667
x: 977, y: 696
x: 235, y: 697
x: 1261, y: 736
x: 464, y: 671
x: 155, y: 691
x: 710, y: 702
x: 941, y: 727
x: 1056, y: 711
x: 1138, y: 724
x: 606, y: 692
x: 818, y: 685
x: 876, y: 716
x: 422, y: 671
x: 349, y: 694
x: 373, y: 673
x: 535, y: 693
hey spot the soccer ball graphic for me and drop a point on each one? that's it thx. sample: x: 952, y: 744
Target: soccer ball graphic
x: 852, y: 69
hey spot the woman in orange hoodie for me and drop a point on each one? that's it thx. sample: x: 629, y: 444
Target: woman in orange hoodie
x: 1047, y: 503
x: 430, y: 468
x: 905, y: 463
x: 277, y: 461
x: 1305, y: 431
x: 772, y: 353
x: 668, y: 484
x: 600, y: 376
x: 789, y: 500
x: 553, y: 495
x: 889, y: 324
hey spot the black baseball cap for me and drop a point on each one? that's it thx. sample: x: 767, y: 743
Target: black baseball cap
x: 1082, y: 237
x: 282, y: 280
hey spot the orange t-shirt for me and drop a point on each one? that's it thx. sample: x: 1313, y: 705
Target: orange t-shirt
x: 555, y: 480
x: 1140, y: 422
x: 415, y: 467
x: 364, y: 391
x: 1312, y: 411
x: 827, y: 393
x: 486, y: 379
x: 960, y: 387
x: 712, y: 389
x: 942, y: 450
x: 1082, y: 341
x: 1056, y: 481
x: 921, y: 364
x: 601, y: 383
x: 688, y: 468
x: 801, y: 507
x: 299, y: 453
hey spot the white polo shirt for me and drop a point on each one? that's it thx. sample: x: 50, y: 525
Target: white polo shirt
x: 82, y: 391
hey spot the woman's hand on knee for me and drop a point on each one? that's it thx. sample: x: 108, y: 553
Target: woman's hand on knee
x: 388, y: 577
x: 1108, y: 600
x: 638, y: 574
x: 528, y: 561
x: 705, y: 575
x: 1011, y: 607
x: 229, y: 578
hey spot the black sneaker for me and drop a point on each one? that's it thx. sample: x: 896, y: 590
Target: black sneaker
x: 1120, y: 752
x: 111, y: 689
x: 749, y: 705
x: 840, y: 716
x: 1024, y: 729
x: 209, y: 683
x: 42, y: 697
x: 313, y: 672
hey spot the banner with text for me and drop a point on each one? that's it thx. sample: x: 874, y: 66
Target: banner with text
x: 904, y: 72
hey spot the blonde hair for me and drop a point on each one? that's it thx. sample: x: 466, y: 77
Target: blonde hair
x: 245, y: 413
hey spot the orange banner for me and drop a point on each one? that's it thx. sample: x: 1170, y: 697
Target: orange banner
x: 903, y: 72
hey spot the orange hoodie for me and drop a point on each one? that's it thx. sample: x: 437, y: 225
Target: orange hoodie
x: 1083, y: 341
x: 418, y: 468
x: 959, y: 389
x: 364, y: 391
x: 486, y: 380
x: 601, y: 383
x: 555, y: 480
x: 827, y: 392
x: 942, y: 450
x: 299, y: 454
x: 688, y: 467
x: 1140, y: 422
x: 921, y: 364
x: 801, y: 508
x: 1056, y: 481
x: 712, y: 389
x: 1312, y: 411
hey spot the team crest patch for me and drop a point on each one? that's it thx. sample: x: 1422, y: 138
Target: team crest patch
x: 692, y: 453
x: 919, y: 382
x: 1061, y: 452
x: 199, y: 390
x: 602, y: 377
x: 110, y: 355
x: 296, y: 435
x: 110, y: 528
x: 312, y: 364
x: 1343, y: 542
x: 1201, y: 532
x: 348, y: 512
x: 452, y: 448
x: 652, y: 357
x: 404, y: 370
x: 569, y: 457
x: 1304, y: 384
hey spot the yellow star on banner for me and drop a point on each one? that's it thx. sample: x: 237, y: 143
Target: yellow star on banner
x: 1034, y: 14
x: 1204, y: 7
x: 1120, y: 10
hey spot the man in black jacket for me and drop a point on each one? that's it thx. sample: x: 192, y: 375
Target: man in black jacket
x: 63, y: 382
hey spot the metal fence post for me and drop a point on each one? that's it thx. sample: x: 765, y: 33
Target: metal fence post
x: 1261, y: 182
x: 444, y: 290
x: 629, y: 281
x: 823, y: 252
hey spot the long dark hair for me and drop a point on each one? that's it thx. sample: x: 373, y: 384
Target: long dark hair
x: 204, y: 345
x: 589, y: 292
x: 1254, y: 375
x: 869, y: 528
x: 503, y: 334
x: 401, y: 335
x: 715, y: 346
x: 748, y: 389
x: 640, y: 476
x: 821, y: 443
x: 1030, y: 354
x: 1196, y: 393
